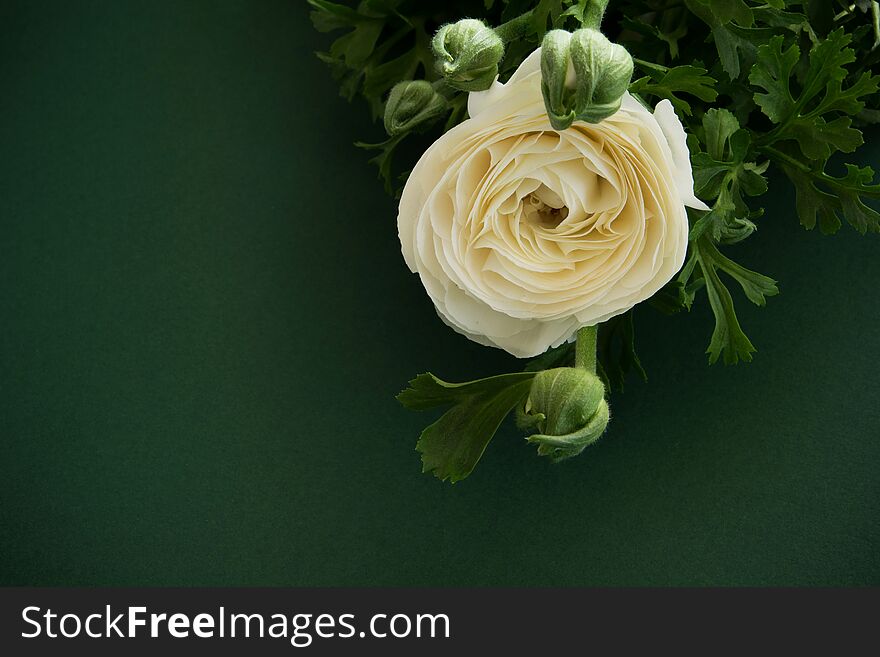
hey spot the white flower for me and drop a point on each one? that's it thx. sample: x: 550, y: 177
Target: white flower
x: 521, y: 234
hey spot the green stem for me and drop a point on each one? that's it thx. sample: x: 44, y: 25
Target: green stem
x: 875, y: 20
x: 585, y: 348
x: 782, y: 157
x: 650, y: 66
x: 593, y: 13
x: 444, y: 89
x: 515, y: 28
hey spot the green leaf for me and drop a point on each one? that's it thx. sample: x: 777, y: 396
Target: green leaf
x: 547, y: 10
x: 383, y: 160
x: 843, y: 200
x: 380, y: 79
x: 814, y: 205
x: 728, y: 339
x: 850, y: 188
x: 729, y: 21
x: 328, y: 16
x: 452, y: 446
x: 726, y: 11
x: 773, y: 15
x: 755, y: 286
x: 818, y: 139
x: 723, y: 173
x: 736, y: 48
x: 817, y: 118
x: 356, y: 47
x: 849, y: 100
x: 671, y: 298
x: 811, y: 117
x: 617, y: 355
x: 773, y: 72
x: 669, y: 83
x: 827, y: 61
x: 719, y: 126
x: 670, y: 38
x: 722, y: 214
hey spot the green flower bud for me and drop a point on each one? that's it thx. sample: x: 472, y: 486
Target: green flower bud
x: 468, y: 53
x: 584, y: 76
x: 567, y: 407
x: 603, y: 71
x: 559, y: 96
x: 412, y: 104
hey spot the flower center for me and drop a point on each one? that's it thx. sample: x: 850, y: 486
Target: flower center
x: 544, y: 209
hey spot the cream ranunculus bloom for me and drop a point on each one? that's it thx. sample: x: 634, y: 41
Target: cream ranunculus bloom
x: 521, y: 234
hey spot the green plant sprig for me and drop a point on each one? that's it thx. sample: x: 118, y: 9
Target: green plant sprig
x: 761, y: 85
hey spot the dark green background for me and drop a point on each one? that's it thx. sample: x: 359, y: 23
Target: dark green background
x: 205, y: 318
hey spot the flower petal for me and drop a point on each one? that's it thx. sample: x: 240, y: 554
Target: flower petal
x: 677, y: 139
x: 522, y: 234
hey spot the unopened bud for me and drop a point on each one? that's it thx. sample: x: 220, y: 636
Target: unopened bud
x: 584, y: 76
x: 603, y: 71
x: 412, y: 104
x: 467, y: 54
x: 567, y: 407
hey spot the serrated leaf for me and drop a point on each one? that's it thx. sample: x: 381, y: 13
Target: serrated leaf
x: 356, y: 47
x: 756, y: 287
x: 775, y: 16
x: 802, y: 116
x: 380, y: 79
x: 813, y: 205
x: 383, y: 160
x: 818, y: 120
x: 726, y: 11
x: 827, y: 61
x: 715, y: 220
x: 818, y: 139
x: 328, y: 16
x: 719, y: 126
x: 671, y: 38
x: 773, y: 73
x: 546, y: 12
x: 850, y: 188
x: 722, y: 173
x: 452, y: 446
x: 728, y: 339
x: 849, y: 100
x: 709, y: 175
x: 729, y: 22
x: 669, y: 83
